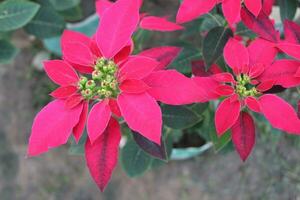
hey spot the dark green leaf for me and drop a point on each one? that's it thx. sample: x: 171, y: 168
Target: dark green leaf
x: 214, y: 43
x: 7, y: 51
x: 64, y: 4
x: 288, y: 9
x: 150, y: 147
x: 47, y: 23
x: 211, y: 21
x: 72, y: 14
x: 15, y: 14
x: 179, y: 117
x: 134, y: 160
x: 183, y: 62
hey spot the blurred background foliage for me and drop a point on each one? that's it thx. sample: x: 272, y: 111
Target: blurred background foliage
x: 30, y: 33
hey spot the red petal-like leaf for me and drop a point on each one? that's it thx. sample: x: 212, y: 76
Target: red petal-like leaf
x: 154, y: 23
x: 290, y: 49
x: 79, y: 128
x: 254, y: 6
x: 134, y: 86
x: 236, y: 55
x: 61, y: 72
x: 224, y: 90
x: 224, y: 77
x: 124, y: 53
x: 279, y: 113
x: 63, y: 92
x: 102, y: 5
x: 260, y: 25
x: 73, y: 101
x: 171, y: 87
x: 78, y: 53
x: 114, y: 107
x: 243, y: 135
x: 226, y: 115
x: 283, y: 72
x: 142, y: 114
x: 137, y: 67
x: 291, y: 32
x: 231, y: 10
x: 267, y: 6
x: 98, y: 119
x: 252, y: 104
x: 164, y: 55
x: 70, y: 36
x: 117, y: 25
x: 191, y: 9
x: 52, y: 127
x: 262, y: 51
x: 102, y: 155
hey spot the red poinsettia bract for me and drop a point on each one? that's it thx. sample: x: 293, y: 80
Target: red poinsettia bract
x: 114, y: 84
x: 147, y: 22
x: 254, y: 74
x: 191, y: 9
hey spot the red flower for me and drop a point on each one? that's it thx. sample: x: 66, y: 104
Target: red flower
x: 254, y: 74
x: 116, y: 85
x: 191, y: 9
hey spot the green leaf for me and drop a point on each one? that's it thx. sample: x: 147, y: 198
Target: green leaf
x: 214, y: 43
x: 211, y: 21
x: 15, y: 14
x: 183, y: 62
x: 288, y: 9
x: 72, y: 14
x: 64, y: 4
x: 47, y: 23
x: 179, y: 117
x: 7, y: 51
x: 134, y: 160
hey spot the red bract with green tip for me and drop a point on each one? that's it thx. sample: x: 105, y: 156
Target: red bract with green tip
x: 254, y: 73
x: 114, y: 84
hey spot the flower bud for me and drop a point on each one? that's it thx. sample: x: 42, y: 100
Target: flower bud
x: 90, y: 84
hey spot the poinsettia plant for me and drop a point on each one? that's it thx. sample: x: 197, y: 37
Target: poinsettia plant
x: 121, y: 88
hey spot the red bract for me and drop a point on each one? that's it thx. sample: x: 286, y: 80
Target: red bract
x: 116, y: 85
x: 254, y: 74
x: 291, y: 43
x: 191, y: 9
x: 147, y: 22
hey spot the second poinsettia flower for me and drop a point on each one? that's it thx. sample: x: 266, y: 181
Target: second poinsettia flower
x: 254, y: 73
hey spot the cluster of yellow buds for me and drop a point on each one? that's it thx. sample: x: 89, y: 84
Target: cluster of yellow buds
x: 103, y: 84
x: 244, y: 88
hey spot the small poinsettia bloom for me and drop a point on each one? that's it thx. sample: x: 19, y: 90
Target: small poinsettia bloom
x: 246, y: 90
x: 147, y: 22
x: 191, y: 9
x: 113, y: 84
